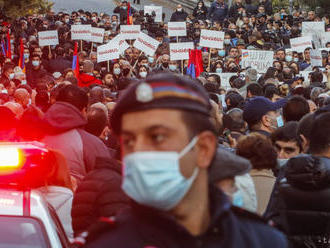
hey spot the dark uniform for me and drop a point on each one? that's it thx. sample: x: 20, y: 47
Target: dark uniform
x: 141, y: 227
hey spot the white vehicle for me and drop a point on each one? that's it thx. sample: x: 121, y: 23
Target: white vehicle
x: 26, y: 219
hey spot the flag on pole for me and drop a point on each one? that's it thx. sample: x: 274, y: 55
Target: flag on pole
x: 21, y: 62
x: 75, y: 61
x: 195, y: 64
x: 8, y: 45
x: 3, y: 48
x: 129, y: 14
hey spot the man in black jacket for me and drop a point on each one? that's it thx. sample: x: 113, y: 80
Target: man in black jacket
x: 60, y: 63
x: 168, y: 145
x: 121, y: 9
x: 179, y: 15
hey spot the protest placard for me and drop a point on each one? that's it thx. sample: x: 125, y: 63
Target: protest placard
x: 177, y: 29
x: 309, y: 28
x: 122, y: 44
x: 158, y: 11
x: 146, y: 44
x: 316, y: 58
x: 212, y: 39
x: 130, y: 32
x: 180, y: 51
x: 81, y: 32
x: 48, y: 38
x: 97, y: 35
x: 225, y: 76
x: 107, y: 52
x: 325, y: 38
x: 301, y: 43
x: 259, y: 60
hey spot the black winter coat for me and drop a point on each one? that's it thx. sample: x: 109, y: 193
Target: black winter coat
x: 200, y: 13
x: 230, y: 227
x: 179, y: 16
x: 59, y: 64
x: 305, y: 196
x: 98, y: 195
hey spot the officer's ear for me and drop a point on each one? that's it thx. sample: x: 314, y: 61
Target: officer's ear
x: 206, y: 147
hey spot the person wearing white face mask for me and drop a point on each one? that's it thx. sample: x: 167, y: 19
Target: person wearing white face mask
x: 7, y: 72
x: 143, y: 71
x: 168, y: 145
x: 179, y: 15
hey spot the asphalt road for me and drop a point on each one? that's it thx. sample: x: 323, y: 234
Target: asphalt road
x: 107, y: 6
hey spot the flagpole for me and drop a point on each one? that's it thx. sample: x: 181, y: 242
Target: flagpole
x: 137, y: 60
x: 108, y: 65
x: 50, y: 51
x: 92, y: 46
x: 81, y: 45
x: 209, y: 65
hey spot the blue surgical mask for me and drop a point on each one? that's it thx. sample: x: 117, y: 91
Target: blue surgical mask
x: 295, y: 59
x: 35, y: 63
x: 222, y: 53
x: 154, y: 179
x: 227, y: 41
x: 172, y: 67
x: 26, y: 55
x: 11, y: 75
x: 218, y: 70
x: 199, y: 48
x: 288, y: 58
x: 237, y: 199
x: 279, y: 120
x: 150, y: 59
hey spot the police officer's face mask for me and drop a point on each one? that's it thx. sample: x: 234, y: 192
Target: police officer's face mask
x: 154, y: 179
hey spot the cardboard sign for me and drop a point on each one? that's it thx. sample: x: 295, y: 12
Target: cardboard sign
x: 212, y: 39
x: 107, y: 52
x: 122, y: 44
x: 130, y: 32
x: 146, y: 44
x: 158, y: 11
x: 180, y: 51
x: 325, y: 37
x: 97, y: 35
x: 177, y: 29
x: 225, y: 79
x: 48, y: 38
x: 316, y: 58
x: 301, y: 43
x: 309, y: 28
x: 259, y: 60
x: 81, y: 32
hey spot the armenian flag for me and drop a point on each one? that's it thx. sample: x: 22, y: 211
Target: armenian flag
x: 75, y: 61
x: 8, y: 45
x: 129, y: 14
x: 21, y: 62
x: 195, y: 64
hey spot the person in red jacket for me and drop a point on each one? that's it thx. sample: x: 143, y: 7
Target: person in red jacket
x: 87, y: 78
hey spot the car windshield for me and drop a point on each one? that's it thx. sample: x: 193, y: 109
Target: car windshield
x: 22, y: 232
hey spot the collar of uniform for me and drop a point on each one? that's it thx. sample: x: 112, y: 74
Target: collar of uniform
x: 219, y: 205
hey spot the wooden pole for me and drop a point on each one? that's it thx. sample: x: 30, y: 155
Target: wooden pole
x: 81, y: 45
x: 92, y: 46
x: 209, y: 65
x: 137, y: 60
x: 182, y: 67
x: 108, y: 65
x: 50, y: 50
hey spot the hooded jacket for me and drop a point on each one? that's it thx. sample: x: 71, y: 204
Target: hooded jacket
x: 305, y: 194
x: 98, y: 195
x: 86, y: 80
x: 64, y: 133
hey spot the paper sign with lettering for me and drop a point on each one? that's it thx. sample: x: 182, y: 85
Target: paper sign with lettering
x: 158, y: 11
x: 316, y: 58
x: 177, y: 29
x: 301, y: 43
x: 212, y: 39
x: 146, y: 44
x: 122, y: 44
x: 225, y: 79
x: 312, y: 28
x: 81, y: 32
x: 48, y: 38
x: 130, y: 32
x: 97, y: 35
x: 325, y: 37
x: 180, y: 51
x: 107, y: 52
x: 259, y: 60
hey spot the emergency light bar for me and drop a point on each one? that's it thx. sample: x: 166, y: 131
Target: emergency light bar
x: 9, y: 157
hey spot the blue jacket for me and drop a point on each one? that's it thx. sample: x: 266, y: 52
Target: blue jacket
x: 230, y: 227
x: 218, y: 11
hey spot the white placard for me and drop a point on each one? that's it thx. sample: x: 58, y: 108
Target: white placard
x: 301, y: 43
x: 316, y: 58
x: 146, y: 44
x: 122, y: 44
x: 158, y: 11
x: 97, y: 35
x: 225, y: 79
x: 130, y: 32
x: 259, y: 60
x: 48, y: 38
x: 325, y: 37
x: 180, y: 51
x: 81, y: 32
x: 212, y: 39
x: 107, y: 52
x: 177, y: 29
x: 312, y: 28
x: 325, y: 49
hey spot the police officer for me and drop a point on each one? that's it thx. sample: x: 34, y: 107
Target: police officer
x: 168, y: 144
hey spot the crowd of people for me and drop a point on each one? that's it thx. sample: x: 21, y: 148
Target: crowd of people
x: 204, y: 164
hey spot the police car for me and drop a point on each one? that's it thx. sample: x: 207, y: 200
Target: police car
x: 26, y: 219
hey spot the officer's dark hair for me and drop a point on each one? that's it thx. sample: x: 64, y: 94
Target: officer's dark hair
x: 96, y: 121
x: 255, y: 89
x: 197, y: 123
x: 74, y: 95
x: 295, y: 109
x: 320, y: 140
x: 287, y: 133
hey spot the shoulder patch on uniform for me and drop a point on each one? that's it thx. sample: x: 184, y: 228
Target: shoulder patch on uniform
x: 240, y: 212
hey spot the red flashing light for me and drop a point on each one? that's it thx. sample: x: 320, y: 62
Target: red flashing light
x: 11, y: 158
